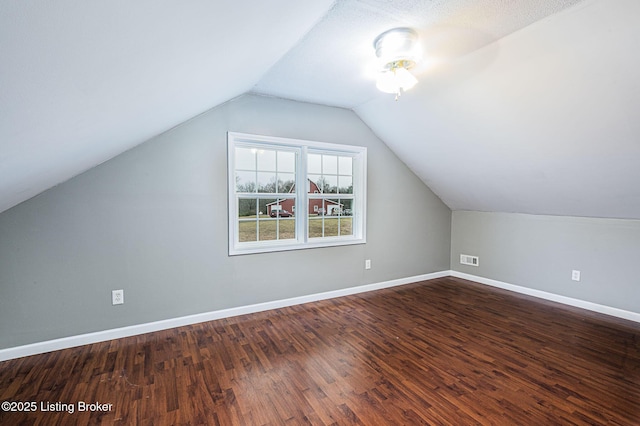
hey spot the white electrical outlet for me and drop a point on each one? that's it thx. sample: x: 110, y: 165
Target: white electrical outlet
x: 367, y: 264
x: 117, y: 297
x: 575, y: 275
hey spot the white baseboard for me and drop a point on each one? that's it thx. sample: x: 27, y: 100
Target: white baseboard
x: 603, y: 309
x: 117, y: 333
x: 134, y: 330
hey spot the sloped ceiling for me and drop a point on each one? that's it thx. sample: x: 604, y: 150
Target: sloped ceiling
x: 83, y: 81
x: 545, y: 121
x: 335, y: 62
x: 522, y: 106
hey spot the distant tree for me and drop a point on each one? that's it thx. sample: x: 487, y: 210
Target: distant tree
x: 347, y: 189
x: 285, y: 186
x: 268, y: 187
x: 245, y: 187
x: 323, y: 185
x: 246, y: 207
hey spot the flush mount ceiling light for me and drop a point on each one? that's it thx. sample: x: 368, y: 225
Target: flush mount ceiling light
x: 397, y: 51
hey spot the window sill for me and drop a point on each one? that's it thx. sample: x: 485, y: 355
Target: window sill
x: 255, y: 248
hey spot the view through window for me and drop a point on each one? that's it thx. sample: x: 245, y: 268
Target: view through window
x: 286, y: 194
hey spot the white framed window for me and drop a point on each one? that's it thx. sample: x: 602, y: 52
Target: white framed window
x: 288, y: 194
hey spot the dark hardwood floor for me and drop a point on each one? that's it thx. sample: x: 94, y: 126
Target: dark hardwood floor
x: 442, y: 352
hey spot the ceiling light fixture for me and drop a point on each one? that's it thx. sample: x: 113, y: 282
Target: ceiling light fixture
x: 398, y: 51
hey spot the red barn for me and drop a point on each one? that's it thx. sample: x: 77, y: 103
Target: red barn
x: 315, y: 206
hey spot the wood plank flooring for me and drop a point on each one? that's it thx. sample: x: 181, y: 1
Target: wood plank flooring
x: 441, y: 352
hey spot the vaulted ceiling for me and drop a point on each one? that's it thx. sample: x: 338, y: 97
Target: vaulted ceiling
x: 522, y: 106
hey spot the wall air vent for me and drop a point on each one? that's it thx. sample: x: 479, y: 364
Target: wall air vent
x: 465, y: 259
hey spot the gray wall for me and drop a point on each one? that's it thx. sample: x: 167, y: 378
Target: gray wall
x: 539, y: 252
x: 153, y: 221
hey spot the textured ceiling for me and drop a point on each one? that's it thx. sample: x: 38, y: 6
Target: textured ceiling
x: 544, y: 121
x: 522, y: 105
x: 334, y: 64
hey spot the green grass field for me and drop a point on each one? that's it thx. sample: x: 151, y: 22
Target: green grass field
x: 284, y: 228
